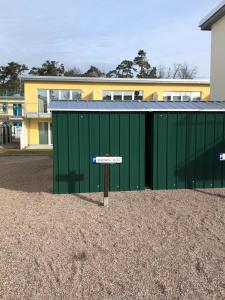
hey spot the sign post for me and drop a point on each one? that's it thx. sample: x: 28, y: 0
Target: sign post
x: 106, y: 185
x: 106, y: 160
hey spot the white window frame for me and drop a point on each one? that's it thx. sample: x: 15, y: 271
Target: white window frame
x: 60, y: 95
x: 48, y: 101
x: 197, y: 92
x: 122, y: 94
x: 182, y: 94
x: 71, y: 93
x: 49, y: 134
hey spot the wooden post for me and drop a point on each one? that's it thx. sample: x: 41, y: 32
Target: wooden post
x: 106, y: 185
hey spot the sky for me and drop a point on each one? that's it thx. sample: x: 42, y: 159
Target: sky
x: 80, y: 33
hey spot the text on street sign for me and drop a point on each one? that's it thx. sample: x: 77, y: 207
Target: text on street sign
x: 222, y: 156
x: 107, y: 160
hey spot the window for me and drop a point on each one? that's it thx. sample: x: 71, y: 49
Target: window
x: 3, y: 107
x: 42, y: 101
x: 17, y: 110
x: 117, y: 96
x: 186, y: 96
x: 107, y: 95
x: 45, y: 133
x: 196, y: 96
x: 182, y: 96
x: 45, y: 96
x: 177, y: 96
x: 122, y: 95
x: 50, y: 133
x: 138, y: 95
x: 76, y: 95
x: 127, y: 96
x: 54, y: 94
x: 167, y: 96
x: 65, y: 94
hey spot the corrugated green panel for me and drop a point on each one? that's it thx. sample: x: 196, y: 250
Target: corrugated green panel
x: 209, y: 144
x: 94, y: 151
x: 142, y: 148
x: 124, y: 150
x: 218, y: 147
x: 148, y: 150
x: 84, y: 152
x: 73, y: 141
x: 155, y: 152
x: 191, y: 158
x: 63, y: 153
x: 200, y: 150
x: 162, y: 148
x: 172, y: 151
x: 114, y: 151
x: 80, y: 136
x: 222, y: 148
x: 190, y: 150
x: 55, y: 153
x: 221, y: 151
x: 181, y: 150
x: 134, y: 151
x: 104, y: 142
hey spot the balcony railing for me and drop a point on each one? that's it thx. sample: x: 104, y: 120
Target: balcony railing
x: 36, y: 110
x: 10, y: 92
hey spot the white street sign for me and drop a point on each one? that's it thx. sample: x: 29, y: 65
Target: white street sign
x: 222, y: 156
x: 107, y: 160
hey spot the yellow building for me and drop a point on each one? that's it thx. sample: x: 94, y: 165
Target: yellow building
x: 39, y: 91
x: 11, y: 112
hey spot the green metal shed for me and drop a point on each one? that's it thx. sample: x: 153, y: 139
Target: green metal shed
x: 164, y: 145
x: 80, y: 135
x: 186, y: 140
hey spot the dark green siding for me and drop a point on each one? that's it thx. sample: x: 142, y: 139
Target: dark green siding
x: 78, y: 136
x: 184, y: 149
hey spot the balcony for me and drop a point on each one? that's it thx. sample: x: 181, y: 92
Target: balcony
x: 11, y: 93
x: 37, y: 110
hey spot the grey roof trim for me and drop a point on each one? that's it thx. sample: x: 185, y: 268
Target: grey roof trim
x: 12, y: 97
x: 143, y: 110
x: 135, y: 106
x: 217, y: 13
x: 116, y: 80
x: 31, y: 115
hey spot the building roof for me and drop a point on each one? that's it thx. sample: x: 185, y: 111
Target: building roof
x: 217, y: 13
x: 116, y: 80
x: 135, y: 106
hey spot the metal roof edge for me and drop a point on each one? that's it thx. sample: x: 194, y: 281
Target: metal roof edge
x: 135, y: 106
x: 214, y: 15
x: 116, y: 80
x: 12, y: 97
x: 141, y: 110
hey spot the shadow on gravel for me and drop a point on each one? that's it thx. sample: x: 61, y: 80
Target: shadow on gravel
x: 82, y: 197
x: 31, y: 174
x: 211, y: 194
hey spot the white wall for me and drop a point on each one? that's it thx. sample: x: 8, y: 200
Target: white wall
x: 218, y: 61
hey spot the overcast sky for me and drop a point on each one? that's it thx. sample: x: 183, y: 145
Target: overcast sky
x: 104, y: 32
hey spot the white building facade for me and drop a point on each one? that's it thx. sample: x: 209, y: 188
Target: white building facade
x: 215, y: 22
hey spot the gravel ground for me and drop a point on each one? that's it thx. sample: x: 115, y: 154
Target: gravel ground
x: 146, y: 245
